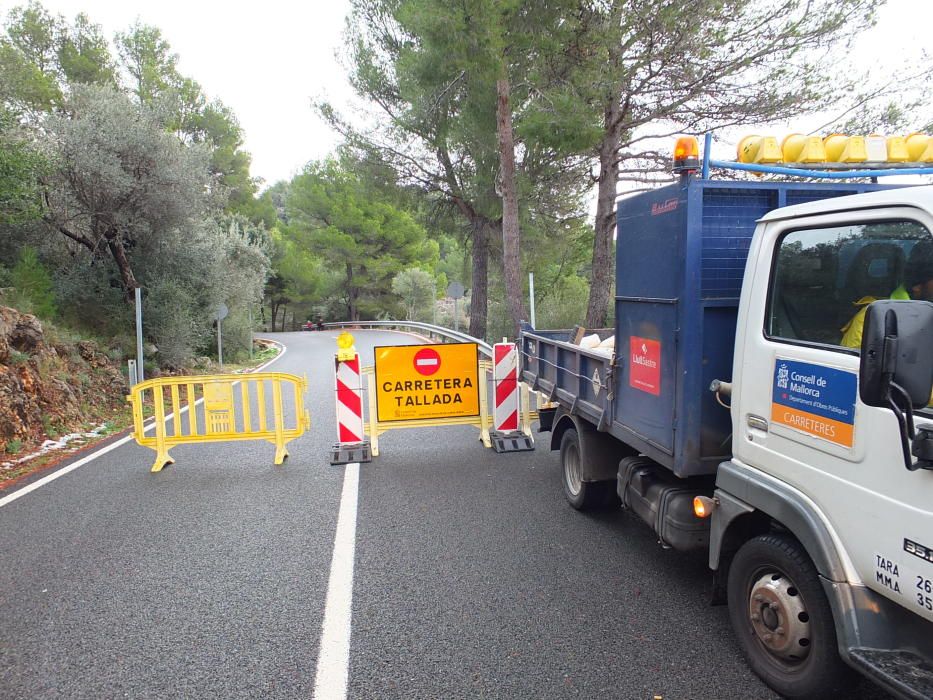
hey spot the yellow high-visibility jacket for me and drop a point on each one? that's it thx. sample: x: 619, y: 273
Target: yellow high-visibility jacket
x: 852, y: 331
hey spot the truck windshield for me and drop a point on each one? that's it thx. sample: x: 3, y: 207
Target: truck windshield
x: 824, y: 279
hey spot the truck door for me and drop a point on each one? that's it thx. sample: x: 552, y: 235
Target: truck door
x: 796, y: 415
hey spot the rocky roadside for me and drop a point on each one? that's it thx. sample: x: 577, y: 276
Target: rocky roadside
x: 56, y: 396
x: 50, y: 390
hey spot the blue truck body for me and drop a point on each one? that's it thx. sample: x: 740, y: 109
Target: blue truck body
x: 680, y: 261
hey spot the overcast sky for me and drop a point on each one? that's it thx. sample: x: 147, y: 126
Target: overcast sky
x: 268, y: 60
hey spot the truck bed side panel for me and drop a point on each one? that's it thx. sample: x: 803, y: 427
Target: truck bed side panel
x: 578, y: 379
x: 681, y: 253
x: 680, y: 262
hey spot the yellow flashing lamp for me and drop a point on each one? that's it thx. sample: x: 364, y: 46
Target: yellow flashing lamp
x: 845, y: 149
x: 836, y: 148
x: 797, y: 148
x: 686, y: 155
x: 345, y: 348
x: 897, y: 149
x: 759, y: 149
x: 920, y: 148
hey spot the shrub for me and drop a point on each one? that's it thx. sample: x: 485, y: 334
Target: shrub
x: 33, y: 282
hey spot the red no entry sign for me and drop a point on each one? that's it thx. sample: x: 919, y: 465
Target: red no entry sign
x: 427, y: 361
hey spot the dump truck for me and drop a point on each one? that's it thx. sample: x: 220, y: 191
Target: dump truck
x: 737, y: 416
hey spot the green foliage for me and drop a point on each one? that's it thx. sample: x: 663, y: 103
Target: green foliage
x: 24, y: 88
x: 84, y: 55
x: 565, y: 305
x: 416, y: 289
x: 18, y: 358
x: 121, y: 181
x: 432, y: 67
x: 33, y: 282
x: 301, y: 278
x: 218, y: 261
x: 335, y: 214
x: 28, y: 66
x: 14, y: 447
x: 148, y: 58
x: 134, y: 186
x: 21, y: 166
x: 43, y: 56
x: 177, y: 324
x: 50, y: 430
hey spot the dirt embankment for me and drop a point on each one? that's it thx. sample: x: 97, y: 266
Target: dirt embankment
x: 47, y: 388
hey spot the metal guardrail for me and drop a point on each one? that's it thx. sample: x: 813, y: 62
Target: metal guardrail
x: 432, y: 331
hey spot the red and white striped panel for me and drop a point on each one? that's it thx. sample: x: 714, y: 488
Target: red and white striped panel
x: 505, y: 382
x: 349, y: 401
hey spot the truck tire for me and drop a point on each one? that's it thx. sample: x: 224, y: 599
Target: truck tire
x: 782, y: 619
x: 582, y: 495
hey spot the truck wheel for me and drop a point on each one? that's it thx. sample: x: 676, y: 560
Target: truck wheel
x: 782, y: 619
x: 582, y: 495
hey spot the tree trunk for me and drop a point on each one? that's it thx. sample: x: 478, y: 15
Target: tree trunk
x: 479, y: 292
x: 602, y: 264
x: 601, y: 272
x: 511, y: 254
x: 115, y: 243
x: 352, y: 296
x: 284, y: 315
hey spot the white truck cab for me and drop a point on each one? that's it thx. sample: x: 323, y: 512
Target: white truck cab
x: 814, y: 457
x: 808, y: 306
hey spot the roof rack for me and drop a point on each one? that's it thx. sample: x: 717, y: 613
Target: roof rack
x: 828, y: 171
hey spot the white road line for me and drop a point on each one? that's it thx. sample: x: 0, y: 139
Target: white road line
x: 333, y: 661
x: 61, y: 472
x: 122, y: 441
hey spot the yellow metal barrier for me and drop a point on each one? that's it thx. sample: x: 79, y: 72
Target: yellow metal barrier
x: 226, y: 414
x: 483, y: 421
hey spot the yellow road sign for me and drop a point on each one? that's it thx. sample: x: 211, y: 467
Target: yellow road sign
x: 416, y: 382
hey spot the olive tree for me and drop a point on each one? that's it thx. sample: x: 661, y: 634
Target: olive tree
x: 120, y: 180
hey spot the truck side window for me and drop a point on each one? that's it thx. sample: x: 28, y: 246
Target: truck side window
x: 824, y: 278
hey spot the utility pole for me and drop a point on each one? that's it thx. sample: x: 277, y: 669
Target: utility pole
x: 139, y: 333
x: 249, y: 310
x: 219, y: 315
x: 531, y: 298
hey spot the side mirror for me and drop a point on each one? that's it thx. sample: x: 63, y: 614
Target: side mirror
x: 896, y: 369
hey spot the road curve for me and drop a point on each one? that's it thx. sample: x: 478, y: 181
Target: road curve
x: 472, y: 578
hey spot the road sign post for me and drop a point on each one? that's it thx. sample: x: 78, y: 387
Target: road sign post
x: 219, y: 315
x: 531, y: 298
x: 139, y: 334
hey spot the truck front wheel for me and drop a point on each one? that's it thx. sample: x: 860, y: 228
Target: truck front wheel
x: 582, y: 495
x: 782, y: 619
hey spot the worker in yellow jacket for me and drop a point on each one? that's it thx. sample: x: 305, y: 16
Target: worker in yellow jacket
x: 918, y: 284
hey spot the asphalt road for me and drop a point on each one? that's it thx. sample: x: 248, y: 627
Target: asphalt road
x: 473, y: 578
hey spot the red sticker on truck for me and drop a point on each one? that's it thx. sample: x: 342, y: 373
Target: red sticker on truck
x: 645, y: 365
